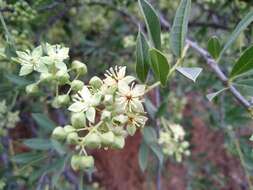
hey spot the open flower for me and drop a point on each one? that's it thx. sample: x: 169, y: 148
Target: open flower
x: 56, y: 55
x: 116, y: 75
x: 31, y: 61
x: 129, y: 98
x: 84, y: 101
x: 136, y: 120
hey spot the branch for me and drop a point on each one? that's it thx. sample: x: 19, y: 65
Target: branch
x: 215, y: 67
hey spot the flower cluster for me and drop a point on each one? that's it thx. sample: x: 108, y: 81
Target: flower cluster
x: 172, y: 141
x: 50, y: 62
x: 104, y: 112
x: 8, y: 119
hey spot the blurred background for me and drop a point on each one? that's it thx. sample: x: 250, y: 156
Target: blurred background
x: 102, y: 33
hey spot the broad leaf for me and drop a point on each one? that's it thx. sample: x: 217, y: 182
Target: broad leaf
x: 158, y: 152
x: 20, y: 81
x: 142, y: 64
x: 244, y: 64
x: 38, y: 144
x: 143, y: 156
x: 190, y: 73
x: 149, y: 135
x: 26, y: 157
x: 180, y: 27
x: 243, y: 24
x: 43, y: 121
x: 159, y: 65
x: 213, y: 47
x: 152, y: 22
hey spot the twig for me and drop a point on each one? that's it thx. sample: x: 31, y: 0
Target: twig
x: 215, y: 67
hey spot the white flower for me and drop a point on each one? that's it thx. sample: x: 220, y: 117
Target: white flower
x: 56, y: 55
x: 31, y: 61
x: 84, y: 101
x: 135, y: 120
x: 178, y: 131
x: 116, y: 75
x: 129, y: 98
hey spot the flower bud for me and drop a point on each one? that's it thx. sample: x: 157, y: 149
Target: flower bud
x: 62, y: 77
x: 78, y: 120
x: 108, y: 99
x: 69, y: 129
x: 107, y: 138
x: 32, y: 89
x: 120, y: 119
x: 72, y: 138
x: 86, y: 162
x: 46, y: 77
x: 80, y: 67
x: 75, y: 162
x: 92, y: 140
x: 106, y: 115
x: 95, y: 82
x: 63, y: 100
x: 59, y: 133
x: 131, y: 130
x: 79, y: 162
x: 76, y: 85
x: 119, y: 142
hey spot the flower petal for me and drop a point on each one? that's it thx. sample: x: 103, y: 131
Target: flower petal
x: 123, y: 87
x: 138, y: 90
x: 91, y: 114
x: 78, y: 107
x: 85, y: 94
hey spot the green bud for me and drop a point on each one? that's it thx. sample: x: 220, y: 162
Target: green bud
x: 69, y: 129
x: 96, y: 82
x: 107, y: 138
x: 75, y: 162
x: 119, y: 142
x: 59, y: 133
x: 76, y: 85
x: 80, y: 67
x: 63, y: 100
x: 92, y: 140
x: 86, y: 162
x: 72, y: 138
x: 106, y: 115
x: 78, y: 120
x: 62, y: 77
x: 32, y: 89
x: 79, y: 162
x: 131, y: 130
x: 46, y: 77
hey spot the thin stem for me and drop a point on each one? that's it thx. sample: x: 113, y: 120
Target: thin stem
x: 238, y: 148
x: 152, y: 86
x: 81, y: 181
x: 7, y: 33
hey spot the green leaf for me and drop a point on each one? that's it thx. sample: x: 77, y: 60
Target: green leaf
x: 244, y: 64
x: 152, y: 23
x: 243, y: 24
x: 58, y: 147
x: 149, y: 135
x: 159, y: 65
x: 38, y: 144
x: 142, y: 64
x: 20, y: 81
x: 156, y: 149
x: 26, y: 157
x: 213, y: 47
x: 43, y: 121
x: 190, y: 73
x: 180, y: 27
x: 211, y: 96
x: 143, y: 156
